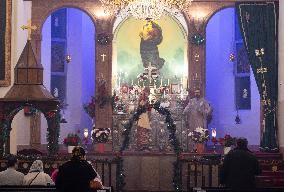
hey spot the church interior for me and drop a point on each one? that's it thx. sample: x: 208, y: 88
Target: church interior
x: 156, y: 92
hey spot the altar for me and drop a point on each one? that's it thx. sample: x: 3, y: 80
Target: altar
x: 159, y: 135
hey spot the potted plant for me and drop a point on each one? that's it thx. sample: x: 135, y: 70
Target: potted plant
x: 228, y: 141
x: 100, y: 136
x: 71, y: 141
x: 200, y: 136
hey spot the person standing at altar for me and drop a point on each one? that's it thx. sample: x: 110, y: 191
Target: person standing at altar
x: 143, y: 125
x: 197, y: 112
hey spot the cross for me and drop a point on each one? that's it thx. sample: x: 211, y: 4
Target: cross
x: 261, y: 70
x: 29, y: 27
x: 103, y: 55
x: 150, y: 69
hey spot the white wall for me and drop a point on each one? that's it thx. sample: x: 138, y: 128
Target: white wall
x: 88, y: 67
x: 21, y: 12
x: 220, y: 85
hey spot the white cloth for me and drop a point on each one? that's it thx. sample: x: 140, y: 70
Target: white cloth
x: 41, y: 179
x: 197, y: 111
x: 11, y: 177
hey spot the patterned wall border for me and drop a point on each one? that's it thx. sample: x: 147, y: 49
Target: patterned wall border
x: 7, y: 81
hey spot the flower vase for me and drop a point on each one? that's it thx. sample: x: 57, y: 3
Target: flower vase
x: 70, y: 148
x: 101, y: 147
x: 200, y: 148
x: 227, y: 150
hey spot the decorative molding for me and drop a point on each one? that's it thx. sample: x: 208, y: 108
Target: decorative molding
x: 7, y: 81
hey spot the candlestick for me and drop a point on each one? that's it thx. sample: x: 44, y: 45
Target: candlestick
x: 168, y: 82
x: 214, y: 133
x: 161, y: 82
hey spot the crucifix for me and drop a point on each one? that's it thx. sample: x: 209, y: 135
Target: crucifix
x: 29, y: 27
x: 103, y: 56
x: 150, y: 69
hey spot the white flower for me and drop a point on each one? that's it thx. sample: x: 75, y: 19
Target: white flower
x: 190, y: 134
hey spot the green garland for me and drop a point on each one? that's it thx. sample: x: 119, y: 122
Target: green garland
x: 172, y: 138
x: 53, y: 120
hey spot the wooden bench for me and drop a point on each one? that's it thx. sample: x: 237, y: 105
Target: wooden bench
x: 222, y: 189
x: 35, y: 188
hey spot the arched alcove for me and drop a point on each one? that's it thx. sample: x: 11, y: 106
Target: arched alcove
x: 230, y: 83
x: 126, y: 57
x: 69, y: 31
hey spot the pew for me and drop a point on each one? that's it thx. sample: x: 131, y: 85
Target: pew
x: 35, y: 188
x: 222, y: 189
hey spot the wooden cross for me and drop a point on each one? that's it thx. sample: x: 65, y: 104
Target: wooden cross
x: 29, y: 27
x: 103, y: 55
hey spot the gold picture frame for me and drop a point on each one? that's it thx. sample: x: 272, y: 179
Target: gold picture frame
x: 7, y: 79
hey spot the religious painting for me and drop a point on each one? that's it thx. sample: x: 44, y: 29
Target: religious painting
x: 150, y: 53
x: 58, y: 53
x: 242, y: 63
x: 5, y: 42
x: 243, y: 93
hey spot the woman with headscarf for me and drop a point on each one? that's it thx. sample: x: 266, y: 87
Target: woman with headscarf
x: 77, y: 175
x: 36, y: 176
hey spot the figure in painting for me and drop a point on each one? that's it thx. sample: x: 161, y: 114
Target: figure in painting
x: 151, y: 36
x: 143, y: 125
x: 198, y: 113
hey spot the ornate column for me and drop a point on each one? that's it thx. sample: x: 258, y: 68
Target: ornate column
x: 104, y: 67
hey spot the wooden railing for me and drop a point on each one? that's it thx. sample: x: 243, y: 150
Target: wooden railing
x: 200, y: 171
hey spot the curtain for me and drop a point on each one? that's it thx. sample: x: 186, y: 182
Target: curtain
x: 2, y: 38
x: 259, y: 28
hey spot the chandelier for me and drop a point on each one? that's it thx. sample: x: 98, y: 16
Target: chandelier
x: 144, y: 9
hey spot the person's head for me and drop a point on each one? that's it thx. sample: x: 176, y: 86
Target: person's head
x: 78, y: 153
x: 12, y: 161
x: 242, y: 143
x: 37, y: 166
x: 197, y: 93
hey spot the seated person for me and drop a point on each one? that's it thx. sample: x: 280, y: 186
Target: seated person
x: 10, y: 176
x: 77, y: 175
x: 240, y: 167
x: 36, y: 176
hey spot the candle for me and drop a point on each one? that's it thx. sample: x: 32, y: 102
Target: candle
x: 132, y: 82
x: 214, y: 132
x: 161, y: 82
x: 168, y: 82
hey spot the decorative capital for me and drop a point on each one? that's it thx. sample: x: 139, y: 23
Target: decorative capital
x: 104, y: 39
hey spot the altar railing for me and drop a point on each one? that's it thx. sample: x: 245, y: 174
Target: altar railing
x: 200, y: 171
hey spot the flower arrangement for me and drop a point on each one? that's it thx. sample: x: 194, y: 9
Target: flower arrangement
x: 100, y: 135
x: 90, y: 108
x: 227, y: 141
x: 72, y: 139
x: 199, y: 135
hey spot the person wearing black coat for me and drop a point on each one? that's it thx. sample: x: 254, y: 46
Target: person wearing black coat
x: 76, y: 174
x: 240, y: 167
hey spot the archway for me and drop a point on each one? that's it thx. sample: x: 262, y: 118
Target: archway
x: 230, y: 83
x: 69, y: 32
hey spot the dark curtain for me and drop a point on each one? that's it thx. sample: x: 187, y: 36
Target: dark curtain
x: 259, y: 27
x: 2, y: 38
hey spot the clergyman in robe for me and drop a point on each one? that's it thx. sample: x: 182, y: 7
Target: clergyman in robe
x: 198, y: 113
